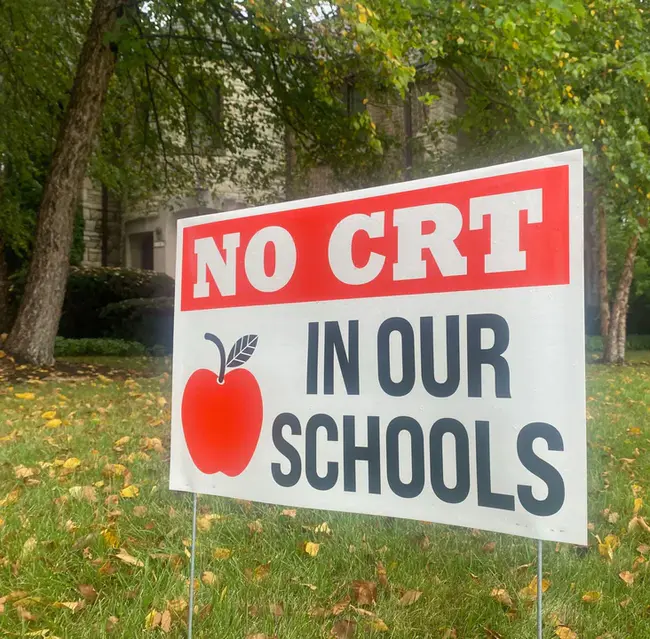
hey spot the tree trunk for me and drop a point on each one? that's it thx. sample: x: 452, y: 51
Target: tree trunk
x: 603, y: 285
x: 615, y: 344
x: 5, y: 315
x: 37, y: 322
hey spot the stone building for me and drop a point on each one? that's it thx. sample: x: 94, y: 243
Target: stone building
x: 145, y: 237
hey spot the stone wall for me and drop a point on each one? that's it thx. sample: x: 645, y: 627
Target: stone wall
x: 92, y: 203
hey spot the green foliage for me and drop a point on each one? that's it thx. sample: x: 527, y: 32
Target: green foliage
x: 148, y: 321
x: 64, y: 347
x: 594, y: 343
x: 90, y: 290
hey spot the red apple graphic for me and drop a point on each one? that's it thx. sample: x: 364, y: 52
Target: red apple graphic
x: 222, y: 413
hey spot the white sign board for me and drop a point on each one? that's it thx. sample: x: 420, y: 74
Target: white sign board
x: 413, y: 350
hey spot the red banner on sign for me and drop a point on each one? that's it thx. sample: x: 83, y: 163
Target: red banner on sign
x: 498, y: 232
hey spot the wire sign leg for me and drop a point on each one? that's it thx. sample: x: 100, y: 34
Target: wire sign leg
x: 191, y: 611
x: 539, y: 589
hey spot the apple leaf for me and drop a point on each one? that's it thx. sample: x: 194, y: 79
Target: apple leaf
x: 242, y: 350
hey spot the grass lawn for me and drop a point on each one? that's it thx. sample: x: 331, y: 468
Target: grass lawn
x: 93, y: 544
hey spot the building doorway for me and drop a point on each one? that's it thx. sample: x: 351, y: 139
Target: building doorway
x: 141, y: 250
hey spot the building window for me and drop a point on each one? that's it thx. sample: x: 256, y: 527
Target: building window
x: 354, y: 100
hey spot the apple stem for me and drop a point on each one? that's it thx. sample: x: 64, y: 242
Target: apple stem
x: 222, y: 353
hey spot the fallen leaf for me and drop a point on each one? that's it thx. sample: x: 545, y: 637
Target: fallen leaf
x: 29, y: 546
x: 166, y: 621
x: 221, y: 553
x: 71, y: 463
x: 114, y: 470
x: 364, y: 592
x: 490, y: 546
x: 644, y: 549
x: 289, y: 512
x: 27, y: 396
x: 129, y: 492
x: 152, y: 620
x: 592, y: 596
x: 627, y: 577
x: 255, y: 527
x: 277, y: 609
x: 204, y: 522
x: 111, y: 623
x: 530, y: 591
x: 152, y: 443
x: 49, y: 414
x: 259, y: 573
x: 177, y: 605
x: 638, y: 504
x: 124, y: 556
x: 378, y: 625
x: 340, y: 606
x: 53, y: 423
x: 121, y: 441
x: 208, y: 578
x: 323, y: 529
x: 311, y: 548
x: 501, y: 595
x: 638, y: 522
x: 564, y: 632
x: 259, y: 635
x: 409, y: 597
x: 344, y: 629
x: 86, y: 493
x: 23, y: 613
x: 75, y: 606
x: 381, y: 574
x: 140, y: 511
x: 450, y: 633
x: 110, y: 538
x: 625, y: 603
x: 88, y: 592
x: 23, y: 472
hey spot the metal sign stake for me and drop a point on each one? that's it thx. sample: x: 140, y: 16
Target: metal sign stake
x: 539, y: 589
x: 191, y: 613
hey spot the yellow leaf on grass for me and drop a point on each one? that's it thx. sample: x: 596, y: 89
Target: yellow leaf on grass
x: 606, y: 548
x: 124, y: 556
x: 129, y: 492
x: 75, y: 606
x: 23, y: 472
x: 114, y: 470
x: 379, y: 625
x: 49, y: 414
x: 627, y: 577
x: 564, y: 632
x: 591, y: 597
x: 122, y: 440
x: 152, y: 620
x: 638, y: 504
x: 530, y: 591
x: 311, y: 548
x: 323, y: 528
x: 71, y: 463
x: 53, y: 423
x: 204, y: 522
x: 221, y: 553
x: 25, y: 396
x: 110, y: 538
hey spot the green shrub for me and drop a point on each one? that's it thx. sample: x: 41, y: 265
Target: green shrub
x: 64, y: 347
x: 148, y: 321
x: 594, y: 343
x: 90, y: 290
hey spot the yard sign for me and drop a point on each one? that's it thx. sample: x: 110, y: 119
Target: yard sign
x: 413, y: 350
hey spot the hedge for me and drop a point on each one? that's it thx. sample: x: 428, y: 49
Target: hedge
x: 64, y: 347
x: 148, y: 321
x: 90, y: 290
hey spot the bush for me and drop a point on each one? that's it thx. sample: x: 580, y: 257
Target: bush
x: 148, y: 321
x: 90, y: 290
x: 97, y: 346
x: 594, y: 343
